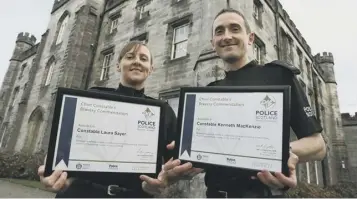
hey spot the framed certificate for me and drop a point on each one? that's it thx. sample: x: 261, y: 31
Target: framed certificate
x: 101, y: 134
x: 240, y: 127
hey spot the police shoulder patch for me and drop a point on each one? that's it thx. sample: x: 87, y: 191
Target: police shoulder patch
x: 97, y: 88
x: 286, y: 65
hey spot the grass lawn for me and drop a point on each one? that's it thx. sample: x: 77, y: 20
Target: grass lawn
x: 28, y: 183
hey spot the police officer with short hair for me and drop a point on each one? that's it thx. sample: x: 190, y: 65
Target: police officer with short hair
x: 135, y: 64
x: 231, y: 39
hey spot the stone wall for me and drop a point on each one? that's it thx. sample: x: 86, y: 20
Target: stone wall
x: 78, y: 62
x: 349, y: 124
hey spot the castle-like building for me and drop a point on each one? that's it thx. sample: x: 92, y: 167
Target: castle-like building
x: 80, y: 47
x: 349, y: 124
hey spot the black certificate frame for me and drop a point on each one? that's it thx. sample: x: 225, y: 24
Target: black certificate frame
x: 285, y: 90
x: 111, y: 177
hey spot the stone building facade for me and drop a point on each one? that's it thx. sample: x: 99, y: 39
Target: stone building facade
x: 80, y: 47
x: 349, y: 124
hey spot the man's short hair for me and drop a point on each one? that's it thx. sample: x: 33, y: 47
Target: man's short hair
x: 231, y: 10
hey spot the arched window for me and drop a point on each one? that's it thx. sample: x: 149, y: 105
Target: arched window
x: 49, y: 70
x: 2, y: 138
x: 33, y: 130
x: 62, y: 26
x: 23, y: 67
x: 14, y: 95
x: 49, y: 74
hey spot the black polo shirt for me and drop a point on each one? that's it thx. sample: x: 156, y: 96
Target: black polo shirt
x: 85, y: 189
x: 302, y: 121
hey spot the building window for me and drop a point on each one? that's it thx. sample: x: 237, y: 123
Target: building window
x: 23, y: 67
x: 142, y: 9
x: 290, y: 48
x: 174, y: 103
x: 257, y: 53
x: 113, y: 24
x: 33, y: 129
x: 142, y: 38
x: 317, y: 173
x: 308, y: 68
x: 259, y: 50
x: 173, y: 2
x: 322, y: 116
x: 104, y: 75
x: 180, y: 41
x: 173, y: 99
x: 2, y: 140
x: 300, y: 59
x: 63, y: 26
x: 308, y: 172
x: 49, y: 74
x: 14, y: 95
x: 287, y: 47
x: 319, y: 84
x: 258, y: 11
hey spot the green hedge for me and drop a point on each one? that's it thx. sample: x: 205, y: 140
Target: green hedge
x: 20, y: 165
x: 341, y: 190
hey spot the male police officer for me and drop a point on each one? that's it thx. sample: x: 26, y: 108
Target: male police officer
x: 231, y: 39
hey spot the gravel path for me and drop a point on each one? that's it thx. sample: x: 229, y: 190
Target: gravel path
x: 11, y: 190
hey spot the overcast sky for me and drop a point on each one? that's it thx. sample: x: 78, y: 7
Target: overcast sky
x: 326, y: 25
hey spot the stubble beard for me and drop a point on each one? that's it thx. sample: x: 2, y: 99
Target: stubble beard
x: 231, y: 59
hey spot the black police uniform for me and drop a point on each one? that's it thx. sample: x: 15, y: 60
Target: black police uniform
x: 238, y: 183
x: 80, y: 188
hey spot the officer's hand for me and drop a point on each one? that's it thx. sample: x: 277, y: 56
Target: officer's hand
x: 175, y: 171
x: 280, y: 181
x: 171, y: 172
x: 57, y: 181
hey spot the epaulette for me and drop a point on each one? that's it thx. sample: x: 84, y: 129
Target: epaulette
x: 148, y: 97
x: 214, y: 83
x: 286, y: 65
x: 102, y: 89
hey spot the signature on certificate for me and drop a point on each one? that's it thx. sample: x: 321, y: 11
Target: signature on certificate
x: 265, y: 146
x: 142, y: 152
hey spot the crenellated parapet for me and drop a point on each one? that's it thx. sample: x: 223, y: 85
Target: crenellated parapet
x: 26, y: 37
x: 349, y: 120
x: 24, y: 42
x: 286, y: 18
x: 325, y: 65
x: 326, y: 57
x: 276, y: 5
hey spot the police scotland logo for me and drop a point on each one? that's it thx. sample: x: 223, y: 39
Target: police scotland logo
x: 267, y: 112
x: 147, y: 124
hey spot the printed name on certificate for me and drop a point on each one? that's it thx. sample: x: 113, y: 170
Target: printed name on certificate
x: 106, y: 136
x: 241, y: 130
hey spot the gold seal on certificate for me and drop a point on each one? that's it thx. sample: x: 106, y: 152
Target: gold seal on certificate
x: 239, y: 127
x: 95, y: 132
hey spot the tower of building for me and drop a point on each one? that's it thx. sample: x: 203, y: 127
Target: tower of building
x: 24, y: 41
x: 349, y: 123
x: 331, y: 118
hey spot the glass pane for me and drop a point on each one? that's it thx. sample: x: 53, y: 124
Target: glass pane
x: 181, y: 49
x: 181, y: 33
x: 49, y: 75
x: 174, y: 103
x: 2, y: 137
